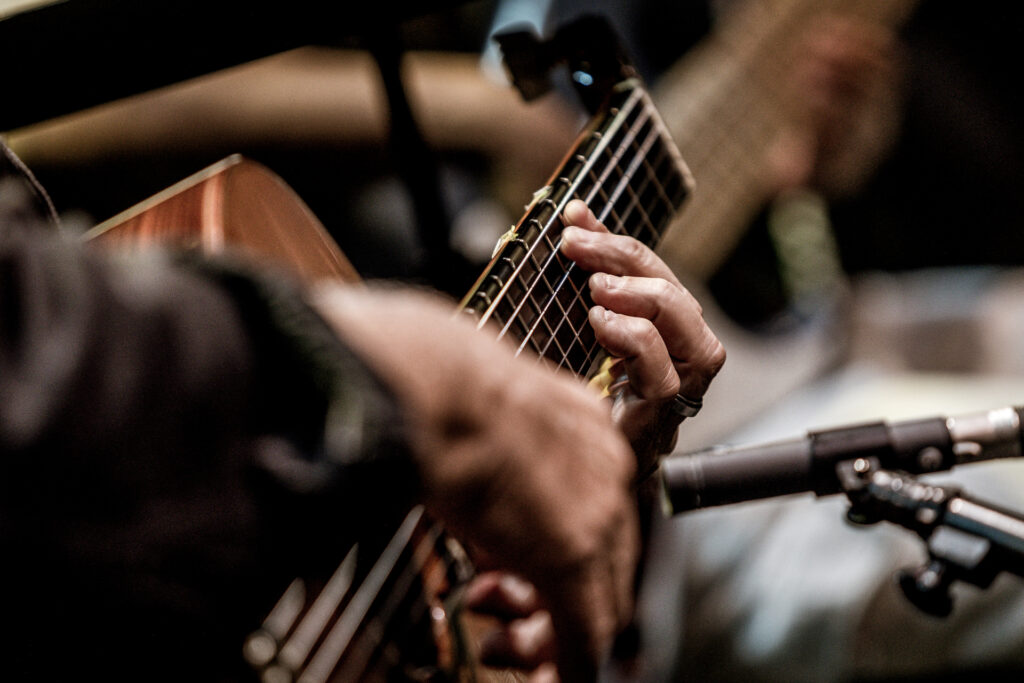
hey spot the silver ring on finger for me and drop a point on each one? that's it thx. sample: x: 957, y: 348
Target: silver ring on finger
x: 684, y: 406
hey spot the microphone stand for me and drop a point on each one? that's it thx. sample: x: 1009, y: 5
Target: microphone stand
x: 967, y: 539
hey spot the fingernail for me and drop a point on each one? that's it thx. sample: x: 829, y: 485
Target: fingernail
x: 588, y: 214
x: 576, y: 205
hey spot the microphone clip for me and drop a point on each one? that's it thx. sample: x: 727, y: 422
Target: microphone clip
x: 967, y: 540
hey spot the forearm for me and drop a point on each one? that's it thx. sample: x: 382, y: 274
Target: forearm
x: 165, y: 448
x: 95, y: 352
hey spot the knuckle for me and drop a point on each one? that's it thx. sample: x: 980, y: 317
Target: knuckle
x: 598, y: 535
x: 669, y: 384
x: 692, y: 301
x: 664, y: 290
x: 697, y: 373
x: 645, y: 332
x: 716, y: 355
x: 634, y: 250
x: 582, y: 550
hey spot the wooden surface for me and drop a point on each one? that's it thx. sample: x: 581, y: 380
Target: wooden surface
x: 236, y: 205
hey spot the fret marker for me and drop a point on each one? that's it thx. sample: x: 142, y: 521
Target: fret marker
x: 510, y: 235
x: 539, y: 196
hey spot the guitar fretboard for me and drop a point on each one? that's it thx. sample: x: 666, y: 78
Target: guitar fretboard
x: 627, y: 169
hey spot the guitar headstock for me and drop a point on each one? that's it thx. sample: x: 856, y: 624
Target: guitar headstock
x: 588, y: 47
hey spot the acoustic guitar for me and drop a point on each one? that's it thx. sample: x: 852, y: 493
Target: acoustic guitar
x: 390, y: 611
x: 727, y: 103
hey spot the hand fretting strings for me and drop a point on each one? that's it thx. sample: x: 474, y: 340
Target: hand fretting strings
x: 543, y: 301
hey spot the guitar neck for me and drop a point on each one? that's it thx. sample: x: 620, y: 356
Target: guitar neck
x: 726, y: 104
x: 626, y: 168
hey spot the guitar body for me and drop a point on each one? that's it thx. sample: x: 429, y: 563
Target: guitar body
x: 235, y: 204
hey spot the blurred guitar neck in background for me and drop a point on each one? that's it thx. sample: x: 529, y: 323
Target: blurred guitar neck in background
x: 729, y: 104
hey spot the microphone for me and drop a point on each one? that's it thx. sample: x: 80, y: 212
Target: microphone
x: 722, y: 475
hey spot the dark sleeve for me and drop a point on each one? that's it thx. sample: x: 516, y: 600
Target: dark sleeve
x: 178, y: 439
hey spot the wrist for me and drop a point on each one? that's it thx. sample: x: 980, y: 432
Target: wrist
x: 340, y: 421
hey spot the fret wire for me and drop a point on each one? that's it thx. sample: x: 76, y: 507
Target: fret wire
x: 651, y: 178
x: 592, y: 353
x: 504, y: 312
x: 565, y: 307
x: 598, y: 188
x: 623, y: 183
x: 669, y: 203
x: 658, y: 184
x: 555, y: 248
x: 567, y: 322
x: 627, y: 176
x: 622, y: 217
x: 635, y: 203
x: 637, y: 95
x: 592, y: 348
x: 630, y: 171
x: 541, y: 313
x: 565, y: 278
x: 612, y: 164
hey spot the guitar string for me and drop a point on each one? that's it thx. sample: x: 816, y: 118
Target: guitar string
x: 568, y: 346
x: 358, y: 608
x: 609, y: 206
x: 360, y: 655
x: 545, y: 235
x: 655, y: 134
x: 556, y: 218
x: 639, y: 160
x: 620, y: 222
x: 603, y: 140
x: 650, y: 179
x: 655, y: 227
x: 680, y: 173
x: 567, y: 321
x: 344, y: 644
x: 303, y: 638
x: 620, y: 228
x: 380, y: 639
